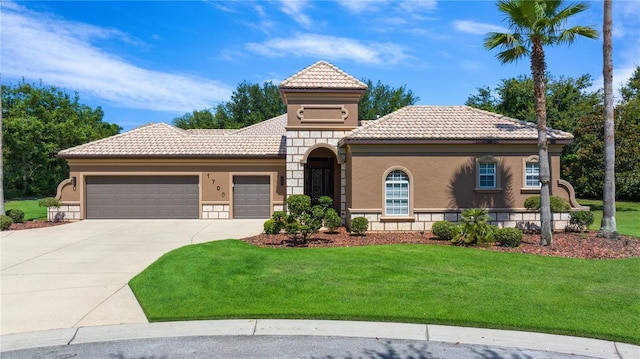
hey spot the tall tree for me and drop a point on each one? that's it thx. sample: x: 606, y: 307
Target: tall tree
x: 380, y: 99
x: 608, y: 224
x: 536, y: 24
x: 2, y: 212
x: 39, y: 121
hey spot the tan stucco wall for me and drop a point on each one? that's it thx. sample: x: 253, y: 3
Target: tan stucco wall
x: 215, y: 175
x: 322, y: 110
x: 443, y: 176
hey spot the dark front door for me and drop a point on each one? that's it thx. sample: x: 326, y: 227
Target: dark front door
x: 319, y: 178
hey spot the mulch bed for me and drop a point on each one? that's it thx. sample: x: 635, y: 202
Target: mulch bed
x: 565, y: 244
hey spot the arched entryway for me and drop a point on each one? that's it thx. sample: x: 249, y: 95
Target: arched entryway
x: 322, y: 175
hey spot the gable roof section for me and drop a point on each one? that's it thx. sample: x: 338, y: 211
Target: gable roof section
x: 322, y: 75
x: 162, y: 140
x: 449, y: 124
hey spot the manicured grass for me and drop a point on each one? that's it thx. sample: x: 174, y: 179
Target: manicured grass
x: 627, y: 216
x: 30, y: 208
x: 400, y: 283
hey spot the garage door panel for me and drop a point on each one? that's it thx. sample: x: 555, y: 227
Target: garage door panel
x: 142, y: 197
x: 251, y: 197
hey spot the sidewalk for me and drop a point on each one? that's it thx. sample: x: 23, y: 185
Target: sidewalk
x: 321, y: 328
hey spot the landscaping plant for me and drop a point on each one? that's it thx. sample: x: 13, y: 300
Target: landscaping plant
x: 271, y: 226
x: 445, y: 230
x: 558, y: 204
x: 5, y: 222
x: 475, y: 228
x: 332, y: 220
x: 359, y: 226
x: 16, y: 215
x: 508, y: 237
x: 581, y: 220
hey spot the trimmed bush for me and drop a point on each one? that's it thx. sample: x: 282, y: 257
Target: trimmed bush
x: 302, y: 220
x: 16, y: 215
x: 558, y: 204
x: 272, y: 226
x: 325, y: 202
x: 5, y: 222
x: 581, y: 220
x: 359, y: 226
x: 332, y: 220
x: 445, y: 230
x: 49, y: 202
x: 508, y: 237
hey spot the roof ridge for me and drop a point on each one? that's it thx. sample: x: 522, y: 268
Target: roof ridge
x: 146, y: 126
x: 306, y: 70
x: 257, y: 124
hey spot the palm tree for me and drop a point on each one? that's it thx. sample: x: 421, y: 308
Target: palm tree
x: 608, y: 225
x: 534, y: 25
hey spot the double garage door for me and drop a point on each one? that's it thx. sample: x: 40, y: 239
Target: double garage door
x: 165, y: 197
x: 111, y: 197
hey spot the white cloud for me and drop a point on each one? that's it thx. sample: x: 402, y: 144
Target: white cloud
x: 330, y: 48
x: 295, y: 9
x: 476, y: 28
x: 58, y: 52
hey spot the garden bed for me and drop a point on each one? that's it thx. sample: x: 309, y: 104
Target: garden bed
x: 565, y: 244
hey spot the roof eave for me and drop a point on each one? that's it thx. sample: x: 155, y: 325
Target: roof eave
x: 167, y: 156
x: 375, y: 141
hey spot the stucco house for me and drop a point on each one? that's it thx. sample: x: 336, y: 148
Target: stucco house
x: 403, y: 171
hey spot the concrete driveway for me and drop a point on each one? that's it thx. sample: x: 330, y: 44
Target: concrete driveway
x: 75, y: 275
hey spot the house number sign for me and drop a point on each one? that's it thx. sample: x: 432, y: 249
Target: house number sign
x: 213, y: 181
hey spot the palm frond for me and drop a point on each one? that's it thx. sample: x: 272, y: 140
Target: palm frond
x: 513, y: 54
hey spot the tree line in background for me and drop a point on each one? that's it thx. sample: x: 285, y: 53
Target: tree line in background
x: 574, y: 107
x: 251, y: 103
x: 40, y: 120
x: 37, y: 122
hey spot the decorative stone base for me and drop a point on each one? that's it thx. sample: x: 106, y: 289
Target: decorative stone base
x: 423, y: 221
x: 215, y: 211
x: 64, y: 213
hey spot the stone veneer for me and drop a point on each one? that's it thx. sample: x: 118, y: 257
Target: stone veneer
x: 66, y: 212
x: 298, y: 142
x: 424, y: 220
x: 215, y: 211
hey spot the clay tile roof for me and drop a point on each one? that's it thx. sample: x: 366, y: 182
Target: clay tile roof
x: 164, y: 140
x: 272, y: 127
x: 322, y: 75
x: 210, y: 131
x: 449, y: 123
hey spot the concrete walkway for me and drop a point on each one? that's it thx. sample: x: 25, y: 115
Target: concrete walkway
x: 75, y: 275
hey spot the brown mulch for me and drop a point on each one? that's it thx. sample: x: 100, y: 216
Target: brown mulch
x: 33, y: 224
x: 565, y: 244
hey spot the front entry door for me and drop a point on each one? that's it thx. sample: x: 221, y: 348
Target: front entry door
x: 319, y: 179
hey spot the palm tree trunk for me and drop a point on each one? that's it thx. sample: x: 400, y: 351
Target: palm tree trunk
x: 2, y: 212
x: 608, y: 225
x: 538, y: 67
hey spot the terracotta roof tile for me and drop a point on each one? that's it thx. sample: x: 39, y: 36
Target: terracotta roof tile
x: 164, y: 140
x: 322, y: 75
x: 449, y: 123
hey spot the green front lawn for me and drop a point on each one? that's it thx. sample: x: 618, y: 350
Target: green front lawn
x: 627, y: 216
x: 400, y: 283
x: 30, y: 208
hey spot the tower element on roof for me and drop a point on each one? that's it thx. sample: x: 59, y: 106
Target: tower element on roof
x: 322, y: 96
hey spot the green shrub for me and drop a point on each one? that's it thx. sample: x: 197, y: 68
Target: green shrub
x: 280, y: 216
x: 325, y: 202
x: 508, y: 237
x: 332, y: 220
x: 558, y: 204
x: 5, y: 222
x: 475, y: 228
x: 302, y: 220
x: 271, y: 226
x: 49, y: 202
x: 16, y: 215
x: 359, y: 225
x: 581, y: 220
x: 445, y: 230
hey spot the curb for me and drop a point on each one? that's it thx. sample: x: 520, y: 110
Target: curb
x: 276, y: 327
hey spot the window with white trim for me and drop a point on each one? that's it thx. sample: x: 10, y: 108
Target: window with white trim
x: 396, y: 194
x: 532, y: 174
x: 487, y: 175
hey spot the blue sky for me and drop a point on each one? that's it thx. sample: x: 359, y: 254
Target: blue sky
x: 152, y: 61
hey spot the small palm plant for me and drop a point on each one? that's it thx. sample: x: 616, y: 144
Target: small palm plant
x: 475, y: 228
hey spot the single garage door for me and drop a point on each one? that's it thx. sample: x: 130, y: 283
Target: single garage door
x: 251, y: 197
x: 111, y: 197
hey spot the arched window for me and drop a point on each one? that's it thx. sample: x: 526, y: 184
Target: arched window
x: 396, y: 194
